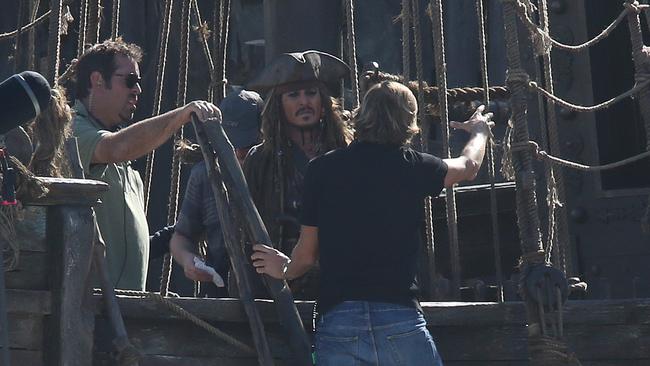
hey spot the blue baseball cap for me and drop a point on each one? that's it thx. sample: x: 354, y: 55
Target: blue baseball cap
x: 241, y: 117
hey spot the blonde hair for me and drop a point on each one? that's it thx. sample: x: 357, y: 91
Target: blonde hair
x: 388, y: 115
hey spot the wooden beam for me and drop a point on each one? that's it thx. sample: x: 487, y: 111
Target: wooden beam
x: 66, y: 191
x: 29, y: 302
x: 242, y: 202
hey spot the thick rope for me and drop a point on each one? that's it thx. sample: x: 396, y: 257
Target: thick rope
x: 638, y: 87
x: 115, y: 26
x: 352, y: 52
x: 557, y: 216
x: 540, y: 35
x: 641, y: 65
x: 186, y: 315
x: 494, y: 213
x: 158, y: 93
x: 441, y: 73
x: 543, y: 155
x: 54, y: 43
x: 31, y: 25
x: 641, y: 62
x: 181, y: 96
x: 406, y: 39
x: 527, y: 216
x: 83, y: 21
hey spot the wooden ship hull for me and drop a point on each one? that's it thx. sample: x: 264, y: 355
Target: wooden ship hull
x: 53, y: 319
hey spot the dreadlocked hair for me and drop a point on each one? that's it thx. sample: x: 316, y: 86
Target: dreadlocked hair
x: 335, y: 131
x: 50, y: 130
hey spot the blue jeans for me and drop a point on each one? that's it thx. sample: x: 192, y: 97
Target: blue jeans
x: 372, y: 333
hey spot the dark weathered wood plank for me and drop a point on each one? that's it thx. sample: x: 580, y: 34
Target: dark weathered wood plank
x: 25, y: 331
x: 222, y: 310
x: 31, y: 228
x: 71, y: 329
x: 67, y: 191
x: 182, y: 338
x: 29, y: 302
x: 32, y: 272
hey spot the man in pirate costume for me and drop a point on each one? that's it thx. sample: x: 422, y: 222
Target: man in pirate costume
x: 300, y: 120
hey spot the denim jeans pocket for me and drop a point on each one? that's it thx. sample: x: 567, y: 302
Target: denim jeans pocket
x: 337, y: 351
x: 414, y: 348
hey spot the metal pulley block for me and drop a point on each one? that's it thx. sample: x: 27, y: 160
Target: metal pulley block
x: 547, y: 286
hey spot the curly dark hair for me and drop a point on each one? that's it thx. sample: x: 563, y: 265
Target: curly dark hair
x: 101, y: 57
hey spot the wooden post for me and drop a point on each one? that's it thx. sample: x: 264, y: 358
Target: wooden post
x: 234, y: 248
x: 70, y: 229
x: 243, y: 204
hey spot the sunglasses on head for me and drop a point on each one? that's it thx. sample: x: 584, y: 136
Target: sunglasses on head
x: 131, y: 79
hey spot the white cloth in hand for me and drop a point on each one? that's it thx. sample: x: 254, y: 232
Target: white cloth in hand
x: 216, y: 278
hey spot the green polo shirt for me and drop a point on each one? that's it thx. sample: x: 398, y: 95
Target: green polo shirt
x: 121, y: 217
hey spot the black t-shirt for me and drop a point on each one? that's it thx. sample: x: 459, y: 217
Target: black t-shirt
x: 367, y: 201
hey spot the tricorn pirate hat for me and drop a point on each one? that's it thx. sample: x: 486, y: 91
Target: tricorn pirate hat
x: 301, y: 67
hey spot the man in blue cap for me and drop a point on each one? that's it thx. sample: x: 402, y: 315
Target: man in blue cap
x: 198, y: 217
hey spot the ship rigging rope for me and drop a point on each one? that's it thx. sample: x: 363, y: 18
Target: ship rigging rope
x: 557, y: 231
x: 521, y: 77
x: 93, y: 24
x: 542, y: 36
x: 54, y: 44
x: 184, y: 314
x: 158, y: 93
x: 181, y: 97
x: 543, y: 155
x: 414, y: 20
x: 441, y: 72
x: 494, y: 214
x: 83, y: 21
x: 115, y: 26
x: 352, y: 52
x: 201, y: 28
x: 406, y: 37
x: 36, y: 22
x: 224, y: 25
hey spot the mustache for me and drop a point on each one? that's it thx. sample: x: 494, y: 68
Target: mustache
x: 304, y: 109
